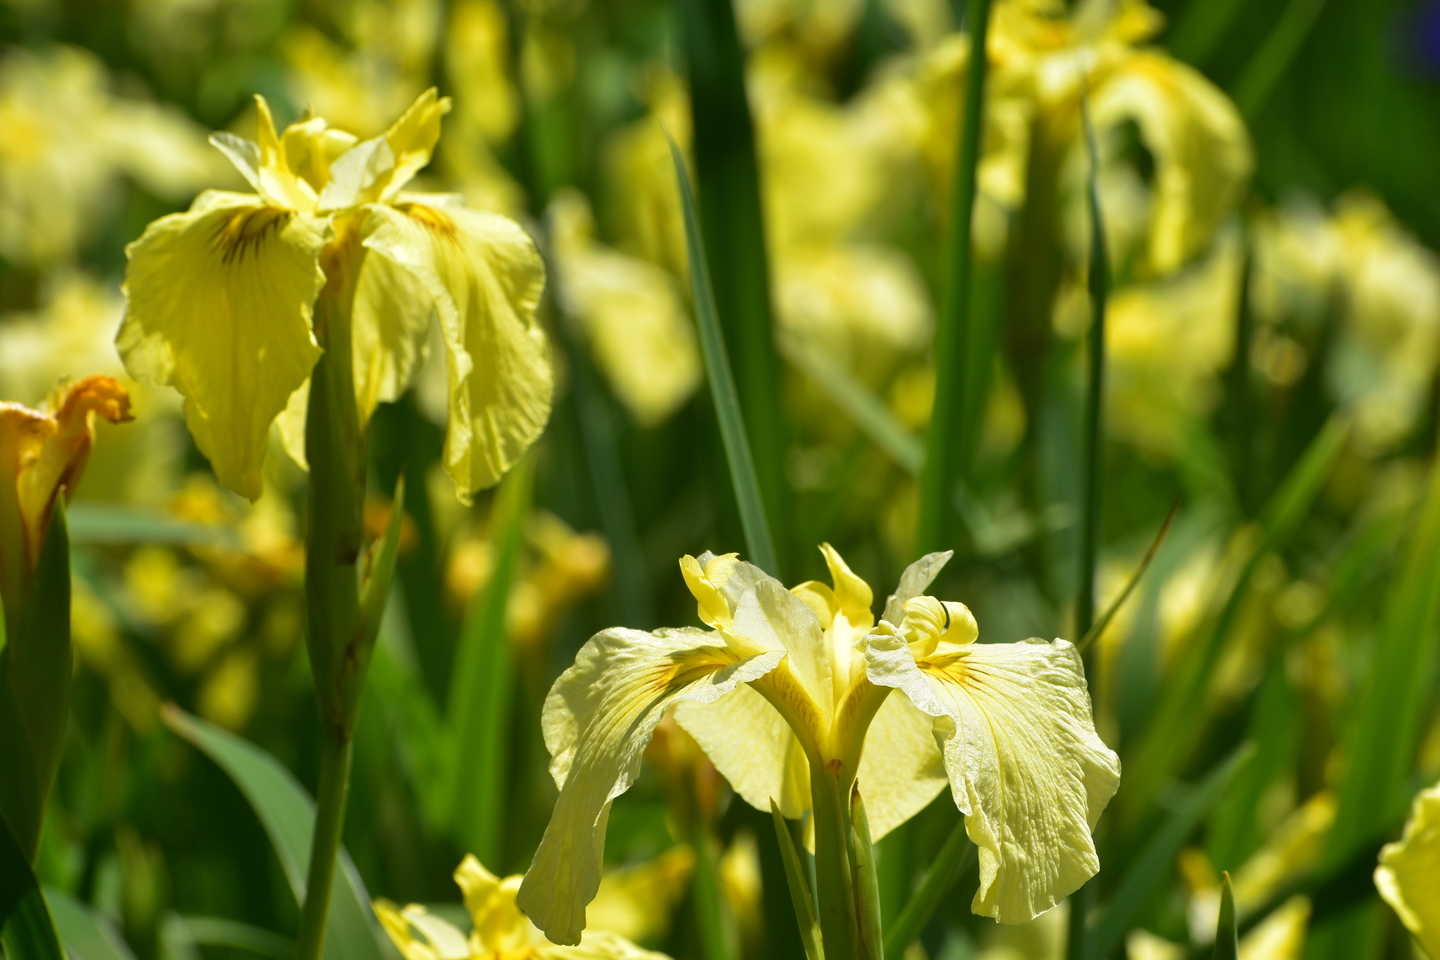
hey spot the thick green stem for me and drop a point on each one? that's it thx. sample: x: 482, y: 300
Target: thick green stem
x: 325, y: 845
x: 830, y: 802
x: 336, y: 640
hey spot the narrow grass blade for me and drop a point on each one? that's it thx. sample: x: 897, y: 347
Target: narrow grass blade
x: 27, y: 929
x: 867, y: 883
x: 1099, y: 626
x: 86, y: 934
x: 220, y: 932
x: 1093, y: 439
x: 722, y: 386
x: 731, y: 221
x: 483, y: 686
x: 954, y: 858
x: 800, y: 896
x: 1275, y: 55
x: 1157, y: 857
x: 1387, y: 721
x: 1180, y: 719
x: 288, y: 815
x: 867, y: 411
x: 1227, y: 936
x: 952, y: 328
x: 36, y: 665
x: 708, y: 900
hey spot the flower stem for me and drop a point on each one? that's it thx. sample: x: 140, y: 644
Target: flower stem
x: 830, y: 802
x: 325, y: 844
x: 336, y: 638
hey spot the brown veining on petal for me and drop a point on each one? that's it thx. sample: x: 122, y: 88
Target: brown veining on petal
x: 242, y: 233
x: 433, y: 219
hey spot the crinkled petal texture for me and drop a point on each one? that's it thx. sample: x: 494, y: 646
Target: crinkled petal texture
x: 1409, y: 873
x: 1025, y: 765
x: 598, y: 719
x: 219, y: 303
x: 485, y: 278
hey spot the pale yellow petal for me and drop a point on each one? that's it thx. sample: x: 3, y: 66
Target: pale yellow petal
x: 598, y: 718
x: 1281, y: 935
x: 901, y: 770
x: 397, y: 924
x: 914, y: 582
x: 632, y: 315
x: 1409, y: 873
x: 637, y: 902
x: 1024, y: 762
x: 753, y: 748
x: 389, y: 322
x: 769, y: 617
x: 599, y: 945
x: 485, y: 277
x: 852, y: 594
x: 1201, y: 148
x: 409, y: 143
x: 218, y: 304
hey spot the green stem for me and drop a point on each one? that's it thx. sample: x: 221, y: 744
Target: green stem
x: 830, y: 803
x: 336, y: 638
x: 325, y: 845
x: 942, y: 447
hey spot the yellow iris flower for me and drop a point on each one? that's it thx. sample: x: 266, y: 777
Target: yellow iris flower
x: 220, y: 299
x: 501, y: 931
x: 1409, y: 873
x: 43, y: 452
x: 793, y: 685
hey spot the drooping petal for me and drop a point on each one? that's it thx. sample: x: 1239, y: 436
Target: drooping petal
x: 1024, y: 762
x: 598, y: 718
x: 753, y: 748
x: 389, y: 322
x: 218, y: 303
x: 485, y: 278
x: 1409, y: 873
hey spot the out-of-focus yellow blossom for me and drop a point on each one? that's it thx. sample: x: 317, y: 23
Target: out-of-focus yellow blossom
x: 640, y: 174
x: 383, y: 65
x: 220, y: 299
x: 829, y: 175
x: 793, y: 685
x: 477, y: 62
x: 1041, y: 939
x: 637, y: 902
x: 817, y: 28
x: 68, y: 140
x: 229, y: 693
x: 1289, y: 851
x: 1167, y: 342
x: 42, y: 453
x: 99, y: 647
x: 71, y: 334
x: 1280, y: 936
x: 631, y: 312
x: 1409, y: 873
x: 561, y: 568
x: 742, y: 888
x: 1044, y: 61
x: 1360, y: 265
x: 501, y: 931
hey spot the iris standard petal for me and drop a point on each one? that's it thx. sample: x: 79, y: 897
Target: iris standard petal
x: 485, y: 277
x: 598, y: 718
x: 1409, y: 873
x: 219, y: 303
x: 1025, y: 764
